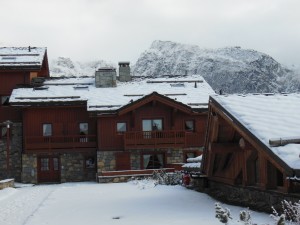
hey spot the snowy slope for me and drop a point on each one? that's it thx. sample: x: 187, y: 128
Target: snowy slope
x: 232, y: 69
x: 63, y: 66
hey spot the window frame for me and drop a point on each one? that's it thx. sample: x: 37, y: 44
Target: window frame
x: 153, y: 124
x: 51, y: 130
x: 186, y: 127
x: 117, y: 128
x: 81, y: 131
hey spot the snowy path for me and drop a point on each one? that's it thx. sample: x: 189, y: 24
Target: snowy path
x: 18, y: 205
x: 91, y: 203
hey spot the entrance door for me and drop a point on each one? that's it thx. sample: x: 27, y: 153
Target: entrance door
x: 48, y: 169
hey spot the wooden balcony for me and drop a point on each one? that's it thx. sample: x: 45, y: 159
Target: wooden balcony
x: 60, y: 142
x: 161, y: 139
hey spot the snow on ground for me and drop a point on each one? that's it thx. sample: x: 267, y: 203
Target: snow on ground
x: 133, y: 203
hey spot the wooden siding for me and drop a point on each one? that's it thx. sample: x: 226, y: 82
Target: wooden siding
x: 173, y: 121
x: 9, y: 80
x: 65, y: 128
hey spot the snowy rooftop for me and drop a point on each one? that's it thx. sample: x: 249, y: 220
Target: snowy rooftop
x: 269, y: 117
x: 192, y: 91
x: 21, y: 56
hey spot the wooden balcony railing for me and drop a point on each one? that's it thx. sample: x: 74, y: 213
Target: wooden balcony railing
x: 60, y: 142
x: 160, y: 139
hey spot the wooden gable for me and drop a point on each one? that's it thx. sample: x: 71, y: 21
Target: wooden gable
x: 155, y: 97
x: 234, y: 155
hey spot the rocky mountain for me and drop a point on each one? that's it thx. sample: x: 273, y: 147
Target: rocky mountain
x: 230, y: 69
x: 63, y: 66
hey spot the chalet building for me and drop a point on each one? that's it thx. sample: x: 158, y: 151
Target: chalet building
x: 77, y: 128
x: 19, y: 67
x: 252, y: 149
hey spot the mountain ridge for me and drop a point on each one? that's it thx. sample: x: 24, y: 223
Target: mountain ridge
x: 230, y: 69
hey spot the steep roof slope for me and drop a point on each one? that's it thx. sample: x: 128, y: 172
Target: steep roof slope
x: 268, y: 117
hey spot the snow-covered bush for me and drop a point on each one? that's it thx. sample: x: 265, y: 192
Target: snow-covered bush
x: 245, y: 216
x: 291, y: 213
x: 223, y: 214
x: 167, y: 178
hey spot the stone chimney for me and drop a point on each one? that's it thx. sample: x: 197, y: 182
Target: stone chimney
x: 106, y: 77
x: 124, y: 71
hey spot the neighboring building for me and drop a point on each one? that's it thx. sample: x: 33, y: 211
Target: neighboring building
x: 75, y: 128
x: 252, y: 149
x: 19, y: 66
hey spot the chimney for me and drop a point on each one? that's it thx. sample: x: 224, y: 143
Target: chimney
x: 124, y: 71
x: 106, y: 77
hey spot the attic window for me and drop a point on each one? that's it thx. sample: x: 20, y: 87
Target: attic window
x: 178, y: 85
x: 8, y: 57
x: 81, y: 87
x: 40, y: 88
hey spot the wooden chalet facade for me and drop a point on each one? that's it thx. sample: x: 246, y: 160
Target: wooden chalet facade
x: 240, y: 164
x: 75, y: 131
x: 19, y: 67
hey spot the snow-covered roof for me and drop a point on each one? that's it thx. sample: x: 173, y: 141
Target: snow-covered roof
x: 192, y: 91
x: 21, y: 56
x: 267, y: 117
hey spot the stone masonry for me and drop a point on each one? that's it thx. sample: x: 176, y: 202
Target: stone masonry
x: 15, y: 149
x: 29, y: 168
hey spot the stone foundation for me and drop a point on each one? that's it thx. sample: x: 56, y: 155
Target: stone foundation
x: 73, y: 168
x: 244, y: 196
x: 15, y: 149
x: 29, y: 168
x: 106, y: 161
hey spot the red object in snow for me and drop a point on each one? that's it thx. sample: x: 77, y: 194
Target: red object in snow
x: 186, y: 179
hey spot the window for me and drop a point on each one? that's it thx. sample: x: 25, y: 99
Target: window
x: 189, y: 125
x: 44, y: 164
x: 47, y: 129
x: 153, y: 161
x: 3, y: 133
x: 121, y: 127
x: 4, y: 100
x: 90, y: 162
x: 152, y: 125
x: 83, y: 128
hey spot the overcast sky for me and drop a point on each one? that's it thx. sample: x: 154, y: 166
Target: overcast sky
x: 118, y: 30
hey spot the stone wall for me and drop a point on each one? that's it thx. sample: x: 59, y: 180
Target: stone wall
x: 15, y: 150
x: 106, y: 161
x: 29, y: 168
x: 244, y: 196
x: 73, y: 168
